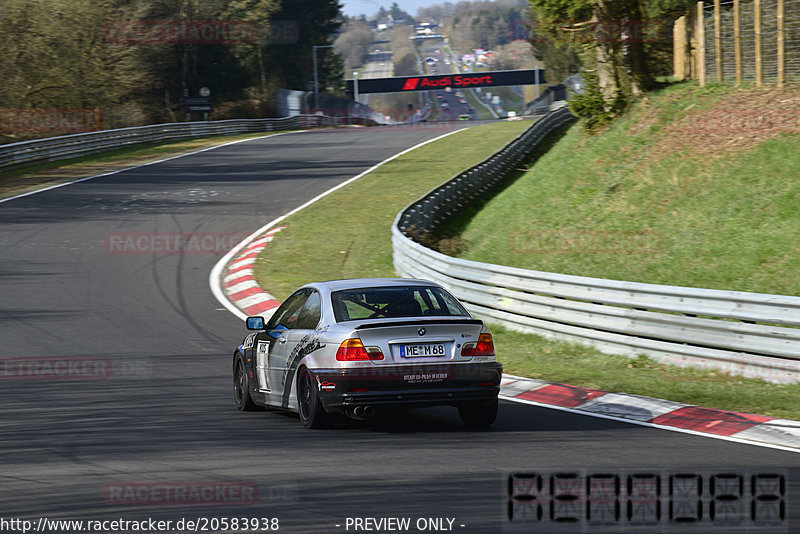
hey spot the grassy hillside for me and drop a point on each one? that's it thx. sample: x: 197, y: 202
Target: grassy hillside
x: 694, y: 187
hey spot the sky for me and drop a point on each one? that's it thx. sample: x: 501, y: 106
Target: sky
x: 370, y: 7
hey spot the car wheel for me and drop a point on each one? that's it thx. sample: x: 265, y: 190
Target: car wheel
x: 241, y: 387
x: 478, y: 414
x: 312, y: 414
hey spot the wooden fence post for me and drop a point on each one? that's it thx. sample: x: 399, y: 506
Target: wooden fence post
x: 679, y: 46
x: 757, y: 28
x: 737, y: 40
x: 781, y: 44
x: 701, y: 46
x: 718, y: 40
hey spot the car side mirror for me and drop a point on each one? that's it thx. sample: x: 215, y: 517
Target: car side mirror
x: 255, y: 323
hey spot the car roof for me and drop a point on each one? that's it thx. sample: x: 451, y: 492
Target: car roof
x: 359, y: 283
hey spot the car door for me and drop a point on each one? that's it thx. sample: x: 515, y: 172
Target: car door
x: 271, y: 360
x: 301, y: 340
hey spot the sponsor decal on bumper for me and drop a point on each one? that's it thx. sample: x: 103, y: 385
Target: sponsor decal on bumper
x: 409, y: 384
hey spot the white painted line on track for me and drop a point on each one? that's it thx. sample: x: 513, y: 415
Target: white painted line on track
x: 110, y: 173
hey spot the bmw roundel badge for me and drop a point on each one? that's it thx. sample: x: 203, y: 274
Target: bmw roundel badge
x: 421, y: 331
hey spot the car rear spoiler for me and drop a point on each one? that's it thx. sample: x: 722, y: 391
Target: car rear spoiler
x: 421, y: 322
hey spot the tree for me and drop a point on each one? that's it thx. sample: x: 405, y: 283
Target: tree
x: 619, y: 62
x: 354, y: 43
x: 291, y: 64
x: 259, y: 12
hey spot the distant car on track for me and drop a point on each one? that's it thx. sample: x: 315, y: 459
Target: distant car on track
x: 352, y: 347
x: 465, y: 117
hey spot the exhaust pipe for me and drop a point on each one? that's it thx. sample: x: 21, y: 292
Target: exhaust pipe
x: 361, y: 412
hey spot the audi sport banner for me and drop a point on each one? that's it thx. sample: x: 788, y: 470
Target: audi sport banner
x: 455, y: 81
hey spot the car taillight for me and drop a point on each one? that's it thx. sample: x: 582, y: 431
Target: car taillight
x: 484, y: 346
x: 352, y: 350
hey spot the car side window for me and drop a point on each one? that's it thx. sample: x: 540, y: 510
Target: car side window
x: 311, y: 312
x: 289, y: 311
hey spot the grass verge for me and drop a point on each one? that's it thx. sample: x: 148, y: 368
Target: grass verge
x: 23, y: 180
x: 347, y: 234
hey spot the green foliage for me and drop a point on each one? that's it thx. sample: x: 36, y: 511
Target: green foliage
x: 593, y: 107
x: 562, y: 10
x: 624, y: 68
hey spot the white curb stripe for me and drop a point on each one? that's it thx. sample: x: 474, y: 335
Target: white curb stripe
x: 254, y: 299
x: 247, y: 284
x: 238, y: 274
x: 242, y: 263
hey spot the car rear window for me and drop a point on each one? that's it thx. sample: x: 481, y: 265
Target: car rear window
x: 394, y: 302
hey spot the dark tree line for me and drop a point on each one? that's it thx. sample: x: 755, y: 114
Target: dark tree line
x: 119, y: 57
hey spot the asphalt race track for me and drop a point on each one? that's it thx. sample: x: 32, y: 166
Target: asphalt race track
x: 145, y: 405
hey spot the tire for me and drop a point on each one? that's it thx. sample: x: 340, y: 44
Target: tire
x: 312, y: 414
x: 478, y: 414
x: 241, y: 387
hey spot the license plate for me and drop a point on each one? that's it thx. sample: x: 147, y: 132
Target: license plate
x: 422, y: 351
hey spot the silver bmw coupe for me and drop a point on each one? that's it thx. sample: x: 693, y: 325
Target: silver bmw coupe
x: 354, y: 347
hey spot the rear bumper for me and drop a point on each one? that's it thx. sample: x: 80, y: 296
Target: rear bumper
x: 408, y: 386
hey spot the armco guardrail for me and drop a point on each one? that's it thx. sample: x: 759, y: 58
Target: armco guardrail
x: 425, y: 215
x: 742, y: 333
x: 82, y: 144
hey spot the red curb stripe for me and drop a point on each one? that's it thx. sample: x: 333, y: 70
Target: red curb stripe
x: 249, y: 292
x: 262, y: 307
x: 710, y: 421
x: 562, y: 395
x: 240, y: 268
x: 237, y: 281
